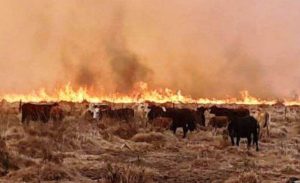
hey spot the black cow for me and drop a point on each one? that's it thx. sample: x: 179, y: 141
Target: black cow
x: 221, y: 111
x: 36, y: 112
x: 181, y: 118
x: 200, y: 113
x: 293, y: 180
x: 118, y: 114
x: 244, y: 127
x: 155, y: 112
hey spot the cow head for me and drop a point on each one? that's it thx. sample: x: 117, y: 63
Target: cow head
x: 202, y: 109
x: 214, y: 109
x: 55, y: 104
x: 154, y: 112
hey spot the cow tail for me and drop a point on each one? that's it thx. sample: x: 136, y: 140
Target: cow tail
x: 267, y: 118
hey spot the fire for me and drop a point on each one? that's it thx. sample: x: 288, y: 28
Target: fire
x: 141, y: 93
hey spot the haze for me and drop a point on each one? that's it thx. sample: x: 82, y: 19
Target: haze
x: 206, y: 48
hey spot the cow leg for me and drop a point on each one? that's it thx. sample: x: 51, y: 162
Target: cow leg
x: 232, y: 139
x: 260, y: 135
x: 238, y: 138
x: 185, y: 130
x: 214, y: 131
x: 27, y: 121
x: 268, y: 132
x: 23, y: 118
x: 173, y: 128
x: 255, y: 139
x: 249, y: 141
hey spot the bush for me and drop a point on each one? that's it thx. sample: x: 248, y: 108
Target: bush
x: 44, y: 172
x: 149, y: 137
x: 123, y: 130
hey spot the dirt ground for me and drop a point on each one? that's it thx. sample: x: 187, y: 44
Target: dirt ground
x: 77, y: 150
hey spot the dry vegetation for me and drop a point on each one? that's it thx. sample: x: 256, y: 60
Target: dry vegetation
x: 77, y: 150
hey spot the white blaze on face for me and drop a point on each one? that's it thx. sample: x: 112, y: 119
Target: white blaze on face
x: 147, y: 110
x: 164, y: 109
x: 96, y: 113
x: 141, y: 110
x: 91, y: 107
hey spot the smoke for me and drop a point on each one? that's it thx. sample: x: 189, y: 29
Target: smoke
x: 126, y: 67
x: 85, y: 77
x: 206, y: 48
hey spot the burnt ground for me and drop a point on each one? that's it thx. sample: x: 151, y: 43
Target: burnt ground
x: 77, y: 150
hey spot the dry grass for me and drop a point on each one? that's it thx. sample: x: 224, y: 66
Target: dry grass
x: 79, y: 150
x: 125, y: 174
x: 4, y: 158
x: 43, y: 172
x: 298, y: 128
x: 278, y: 132
x: 247, y: 177
x: 149, y: 137
x: 124, y: 131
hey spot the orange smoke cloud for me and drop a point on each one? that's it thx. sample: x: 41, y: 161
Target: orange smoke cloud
x: 205, y: 49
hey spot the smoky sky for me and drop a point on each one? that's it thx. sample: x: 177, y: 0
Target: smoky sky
x: 206, y: 48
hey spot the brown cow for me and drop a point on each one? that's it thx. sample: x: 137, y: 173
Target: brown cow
x: 263, y: 119
x: 218, y: 122
x: 56, y: 114
x: 162, y: 123
x: 125, y: 114
x: 36, y: 112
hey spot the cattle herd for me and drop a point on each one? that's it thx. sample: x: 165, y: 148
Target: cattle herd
x: 237, y: 122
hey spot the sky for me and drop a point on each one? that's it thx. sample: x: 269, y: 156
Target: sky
x: 205, y: 48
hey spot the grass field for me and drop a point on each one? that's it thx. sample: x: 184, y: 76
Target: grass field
x: 77, y: 150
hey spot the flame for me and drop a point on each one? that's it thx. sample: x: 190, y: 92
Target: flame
x: 141, y: 93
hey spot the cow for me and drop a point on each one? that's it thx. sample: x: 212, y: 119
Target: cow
x: 126, y: 114
x: 56, y: 114
x: 218, y: 122
x: 221, y: 111
x: 201, y: 114
x: 155, y: 112
x: 263, y: 119
x: 244, y: 127
x: 293, y: 180
x: 36, y: 112
x: 181, y: 118
x: 162, y: 123
x: 102, y: 107
x: 141, y: 111
x: 93, y: 111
